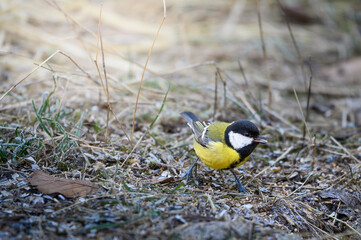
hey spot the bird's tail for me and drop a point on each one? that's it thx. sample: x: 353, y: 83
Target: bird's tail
x: 190, y: 117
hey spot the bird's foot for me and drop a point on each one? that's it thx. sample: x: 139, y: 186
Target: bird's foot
x: 239, y: 184
x: 188, y: 174
x: 242, y: 189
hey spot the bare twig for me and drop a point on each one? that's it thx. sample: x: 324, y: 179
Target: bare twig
x: 105, y: 73
x: 29, y: 74
x: 250, y: 108
x: 245, y: 80
x: 308, y: 100
x: 145, y: 67
x: 344, y: 149
x: 301, y: 185
x: 303, y: 116
x: 207, y: 63
x: 215, y: 95
x: 279, y: 117
x: 264, y: 54
x: 72, y: 23
x: 106, y: 86
x: 338, y: 220
x: 77, y: 65
x: 300, y: 60
x: 224, y: 95
x: 284, y: 154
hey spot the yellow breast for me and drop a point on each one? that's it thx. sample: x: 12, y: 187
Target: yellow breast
x: 218, y: 155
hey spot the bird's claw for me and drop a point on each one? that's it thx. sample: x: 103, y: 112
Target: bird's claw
x: 239, y: 185
x: 188, y: 174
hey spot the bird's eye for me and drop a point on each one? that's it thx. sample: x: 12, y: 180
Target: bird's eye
x: 246, y: 134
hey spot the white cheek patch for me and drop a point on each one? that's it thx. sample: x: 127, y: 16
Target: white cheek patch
x: 238, y: 140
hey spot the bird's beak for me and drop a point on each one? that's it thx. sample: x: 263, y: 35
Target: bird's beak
x: 260, y: 139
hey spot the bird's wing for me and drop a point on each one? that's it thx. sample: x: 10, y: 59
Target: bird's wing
x: 205, y: 132
x: 199, y: 129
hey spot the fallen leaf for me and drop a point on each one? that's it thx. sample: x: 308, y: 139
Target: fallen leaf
x: 351, y: 200
x: 69, y: 188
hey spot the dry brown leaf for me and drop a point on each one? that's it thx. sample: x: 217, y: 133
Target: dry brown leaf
x: 69, y: 188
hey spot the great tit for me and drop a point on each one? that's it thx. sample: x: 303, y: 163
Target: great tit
x: 223, y: 145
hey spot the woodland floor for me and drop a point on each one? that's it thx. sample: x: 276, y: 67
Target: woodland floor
x: 208, y: 59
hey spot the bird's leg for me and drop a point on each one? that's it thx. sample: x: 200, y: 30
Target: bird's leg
x: 239, y: 184
x: 188, y: 174
x: 196, y: 169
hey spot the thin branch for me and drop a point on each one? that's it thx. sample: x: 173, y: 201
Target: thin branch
x: 264, y: 53
x: 105, y: 75
x: 106, y: 86
x: 344, y: 149
x: 338, y: 220
x: 284, y: 154
x: 308, y: 99
x: 295, y: 45
x: 303, y: 116
x: 29, y: 74
x: 301, y: 185
x: 145, y: 67
x: 215, y: 95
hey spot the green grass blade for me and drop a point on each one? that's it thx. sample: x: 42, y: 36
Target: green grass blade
x: 127, y: 187
x: 40, y: 120
x: 161, y: 107
x: 80, y: 123
x: 112, y: 225
x: 181, y: 184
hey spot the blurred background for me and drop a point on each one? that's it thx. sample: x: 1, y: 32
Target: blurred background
x: 196, y: 39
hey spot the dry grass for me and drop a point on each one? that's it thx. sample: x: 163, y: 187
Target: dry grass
x: 55, y: 118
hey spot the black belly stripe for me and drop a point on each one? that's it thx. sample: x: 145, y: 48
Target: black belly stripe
x: 245, y: 151
x: 234, y: 164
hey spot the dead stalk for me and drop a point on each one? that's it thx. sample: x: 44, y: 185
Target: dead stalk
x: 265, y: 58
x: 145, y: 67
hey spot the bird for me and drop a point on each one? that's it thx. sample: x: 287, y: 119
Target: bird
x: 222, y: 145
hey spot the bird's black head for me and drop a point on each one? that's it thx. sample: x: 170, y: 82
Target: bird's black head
x: 243, y: 136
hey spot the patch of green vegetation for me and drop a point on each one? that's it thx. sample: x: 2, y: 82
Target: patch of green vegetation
x: 123, y: 148
x: 154, y: 165
x: 145, y: 117
x: 153, y: 213
x: 152, y: 83
x: 79, y: 117
x: 97, y: 127
x: 56, y: 122
x: 3, y: 153
x: 181, y: 184
x: 19, y: 146
x: 65, y: 166
x: 109, y: 202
